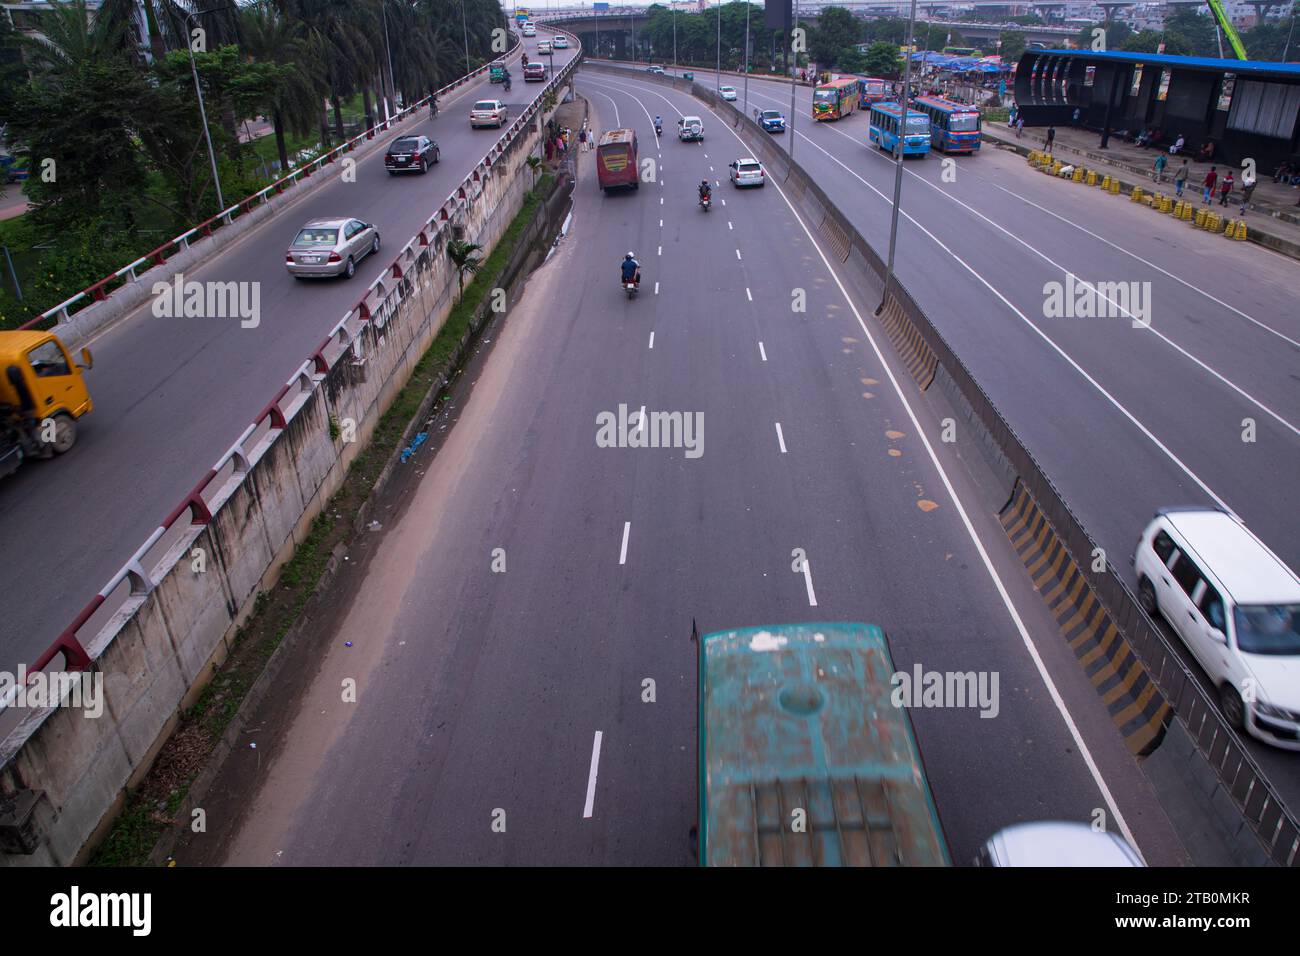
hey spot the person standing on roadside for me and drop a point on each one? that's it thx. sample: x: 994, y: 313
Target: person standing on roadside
x: 1020, y: 126
x: 1051, y: 138
x: 1207, y: 186
x: 1180, y: 179
x: 1077, y: 114
x: 1161, y: 160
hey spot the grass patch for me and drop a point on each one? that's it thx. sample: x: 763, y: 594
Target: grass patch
x: 151, y: 808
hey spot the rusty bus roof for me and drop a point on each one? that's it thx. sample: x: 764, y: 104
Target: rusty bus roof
x: 616, y: 136
x: 800, y: 717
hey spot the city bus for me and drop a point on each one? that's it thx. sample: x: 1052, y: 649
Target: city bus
x: 835, y: 99
x: 959, y: 51
x: 872, y: 90
x: 884, y: 130
x: 804, y: 759
x: 616, y: 159
x: 954, y: 127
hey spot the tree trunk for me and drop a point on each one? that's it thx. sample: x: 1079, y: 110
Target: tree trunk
x: 365, y: 103
x: 278, y: 121
x: 338, y: 117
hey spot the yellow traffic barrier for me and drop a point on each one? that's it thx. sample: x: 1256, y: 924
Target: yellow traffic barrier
x: 1230, y: 228
x: 1091, y: 178
x: 1241, y: 230
x: 1078, y: 174
x: 1135, y: 195
x: 1199, y: 222
x: 1189, y: 212
x: 1056, y: 167
x: 1114, y: 187
x: 1105, y: 182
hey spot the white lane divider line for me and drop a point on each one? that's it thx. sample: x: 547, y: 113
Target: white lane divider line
x: 749, y: 295
x: 652, y: 340
x: 622, y: 554
x: 807, y: 580
x: 591, y: 776
x: 661, y: 200
x: 781, y: 441
x: 737, y: 253
x: 656, y: 287
x: 729, y: 225
x: 661, y: 250
x: 640, y: 420
x: 724, y: 202
x: 763, y: 352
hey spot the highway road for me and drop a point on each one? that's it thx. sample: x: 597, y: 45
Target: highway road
x: 481, y: 692
x: 171, y: 395
x: 1125, y: 420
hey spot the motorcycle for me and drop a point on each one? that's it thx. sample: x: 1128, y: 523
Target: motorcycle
x: 704, y: 203
x: 659, y: 130
x: 629, y: 286
x: 507, y: 84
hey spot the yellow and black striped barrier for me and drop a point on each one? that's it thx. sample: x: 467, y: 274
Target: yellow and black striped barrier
x: 910, y: 344
x: 1136, y: 706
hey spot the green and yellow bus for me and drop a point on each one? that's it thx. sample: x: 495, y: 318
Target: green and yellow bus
x: 803, y: 758
x: 835, y: 99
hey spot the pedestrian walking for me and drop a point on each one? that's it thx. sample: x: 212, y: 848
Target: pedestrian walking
x: 1247, y: 187
x: 1077, y: 114
x: 1180, y: 179
x: 1051, y: 137
x: 1225, y: 188
x: 1161, y: 160
x: 1020, y: 127
x: 1207, y: 186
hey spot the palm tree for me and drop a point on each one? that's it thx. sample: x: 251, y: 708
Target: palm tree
x: 343, y: 32
x: 269, y: 37
x: 465, y: 257
x: 69, y: 39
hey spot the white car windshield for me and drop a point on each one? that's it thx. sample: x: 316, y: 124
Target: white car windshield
x: 485, y: 105
x: 1272, y: 629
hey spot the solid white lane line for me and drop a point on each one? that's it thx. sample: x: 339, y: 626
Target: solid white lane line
x: 591, y: 776
x: 737, y: 253
x: 807, y: 580
x: 622, y: 554
x: 780, y: 438
x: 652, y: 340
x: 749, y: 295
x: 640, y: 420
x: 762, y: 351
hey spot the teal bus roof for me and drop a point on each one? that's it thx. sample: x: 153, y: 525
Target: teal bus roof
x: 799, y: 717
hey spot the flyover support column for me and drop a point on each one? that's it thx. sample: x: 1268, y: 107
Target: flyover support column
x: 620, y: 45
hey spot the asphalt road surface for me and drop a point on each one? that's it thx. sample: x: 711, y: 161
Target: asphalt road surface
x: 1125, y: 420
x: 481, y: 692
x: 171, y: 395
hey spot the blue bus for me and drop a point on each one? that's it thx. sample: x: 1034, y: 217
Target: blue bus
x: 886, y: 127
x: 804, y: 757
x: 954, y: 127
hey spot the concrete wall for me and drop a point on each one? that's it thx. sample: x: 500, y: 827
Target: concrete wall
x: 175, y: 625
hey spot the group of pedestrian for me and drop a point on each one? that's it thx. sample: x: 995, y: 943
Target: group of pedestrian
x: 1224, y: 184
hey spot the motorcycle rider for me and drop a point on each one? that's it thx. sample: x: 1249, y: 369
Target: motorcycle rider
x: 631, y: 269
x: 433, y: 105
x: 507, y: 81
x: 659, y: 126
x: 706, y: 191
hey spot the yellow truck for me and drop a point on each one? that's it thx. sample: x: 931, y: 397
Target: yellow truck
x: 42, y: 396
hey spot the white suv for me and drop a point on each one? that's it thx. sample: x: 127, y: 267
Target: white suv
x: 1237, y: 608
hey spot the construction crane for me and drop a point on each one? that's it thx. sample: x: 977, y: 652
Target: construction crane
x: 1225, y: 28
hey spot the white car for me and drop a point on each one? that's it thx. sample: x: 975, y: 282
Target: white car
x: 1236, y: 607
x: 488, y: 113
x: 543, y: 47
x: 690, y: 129
x: 560, y: 42
x: 727, y: 92
x: 1051, y: 843
x: 746, y: 172
x: 530, y: 30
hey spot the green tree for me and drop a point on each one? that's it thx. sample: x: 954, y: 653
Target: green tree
x: 837, y: 30
x: 1269, y: 41
x: 1013, y: 45
x: 293, y: 103
x: 467, y: 260
x: 882, y: 59
x: 1189, y: 33
x: 1116, y: 32
x: 1144, y: 41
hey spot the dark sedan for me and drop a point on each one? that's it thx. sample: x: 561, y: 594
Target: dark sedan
x: 410, y: 154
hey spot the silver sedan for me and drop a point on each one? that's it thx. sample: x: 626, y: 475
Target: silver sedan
x: 330, y: 247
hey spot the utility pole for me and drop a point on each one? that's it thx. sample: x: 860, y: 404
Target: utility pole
x: 903, y: 106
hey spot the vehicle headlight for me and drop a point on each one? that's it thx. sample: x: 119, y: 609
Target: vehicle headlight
x: 1281, y: 713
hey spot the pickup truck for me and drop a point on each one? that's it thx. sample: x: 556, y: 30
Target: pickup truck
x: 42, y: 396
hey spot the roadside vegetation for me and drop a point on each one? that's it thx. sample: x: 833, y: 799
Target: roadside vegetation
x: 101, y: 117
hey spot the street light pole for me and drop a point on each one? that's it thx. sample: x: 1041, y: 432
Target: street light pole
x: 203, y: 113
x: 747, y: 6
x: 391, y: 104
x: 464, y: 32
x: 794, y: 69
x: 898, y: 155
x: 719, y: 80
x: 674, y: 41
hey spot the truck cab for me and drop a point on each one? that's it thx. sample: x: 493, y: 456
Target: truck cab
x: 42, y: 396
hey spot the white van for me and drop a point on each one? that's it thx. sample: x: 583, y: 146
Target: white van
x: 1237, y: 608
x: 529, y: 28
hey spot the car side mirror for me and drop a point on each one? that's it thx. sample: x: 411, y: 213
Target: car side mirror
x: 87, y: 359
x: 1218, y: 636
